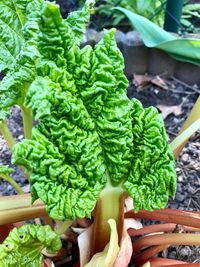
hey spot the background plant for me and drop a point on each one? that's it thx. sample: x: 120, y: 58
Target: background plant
x: 105, y: 16
x: 190, y: 19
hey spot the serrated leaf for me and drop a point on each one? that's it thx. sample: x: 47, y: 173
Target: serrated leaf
x: 24, y: 245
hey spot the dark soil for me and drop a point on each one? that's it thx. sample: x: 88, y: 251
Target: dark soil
x: 188, y: 164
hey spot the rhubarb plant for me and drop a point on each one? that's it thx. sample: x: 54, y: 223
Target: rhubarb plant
x: 91, y: 145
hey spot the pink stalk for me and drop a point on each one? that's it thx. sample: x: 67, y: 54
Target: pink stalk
x: 191, y: 219
x: 168, y: 227
x: 149, y: 253
x: 166, y: 239
x: 161, y: 262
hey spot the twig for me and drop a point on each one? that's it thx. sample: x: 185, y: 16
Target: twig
x: 186, y: 85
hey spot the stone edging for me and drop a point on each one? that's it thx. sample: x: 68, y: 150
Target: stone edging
x: 140, y: 59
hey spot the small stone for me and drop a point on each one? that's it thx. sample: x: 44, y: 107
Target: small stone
x: 185, y: 251
x: 180, y: 178
x: 173, y: 255
x: 178, y: 169
x: 180, y: 197
x: 185, y: 157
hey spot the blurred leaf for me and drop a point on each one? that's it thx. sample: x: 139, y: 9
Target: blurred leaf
x: 167, y: 110
x: 141, y: 81
x: 182, y: 49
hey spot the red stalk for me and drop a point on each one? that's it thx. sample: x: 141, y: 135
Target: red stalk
x: 4, y: 231
x: 161, y: 262
x: 149, y: 253
x: 166, y: 239
x: 191, y: 219
x: 110, y: 205
x: 168, y: 227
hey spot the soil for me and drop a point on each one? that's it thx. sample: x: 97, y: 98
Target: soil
x: 179, y: 95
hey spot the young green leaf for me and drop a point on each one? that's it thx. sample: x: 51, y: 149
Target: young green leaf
x: 78, y: 20
x: 24, y: 245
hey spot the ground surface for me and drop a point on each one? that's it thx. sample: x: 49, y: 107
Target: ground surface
x: 178, y: 95
x: 181, y: 98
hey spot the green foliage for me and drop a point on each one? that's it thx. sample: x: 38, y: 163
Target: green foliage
x: 183, y: 49
x: 190, y: 13
x: 24, y: 245
x: 5, y: 170
x: 4, y: 114
x: 89, y: 134
x: 105, y: 16
x: 13, y: 16
x: 23, y: 54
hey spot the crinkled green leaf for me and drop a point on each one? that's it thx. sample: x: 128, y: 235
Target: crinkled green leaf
x: 78, y: 20
x: 65, y: 153
x: 23, y: 246
x: 152, y: 174
x: 56, y: 39
x: 89, y: 133
x: 103, y: 92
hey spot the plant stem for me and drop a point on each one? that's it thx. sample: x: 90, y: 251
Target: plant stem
x: 63, y: 226
x: 167, y: 227
x: 155, y: 228
x: 148, y: 253
x: 109, y: 206
x: 27, y: 121
x: 17, y: 202
x: 7, y: 134
x: 167, y: 239
x: 11, y: 181
x: 161, y: 262
x: 26, y: 213
x: 181, y: 217
x: 48, y: 221
x: 193, y: 116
